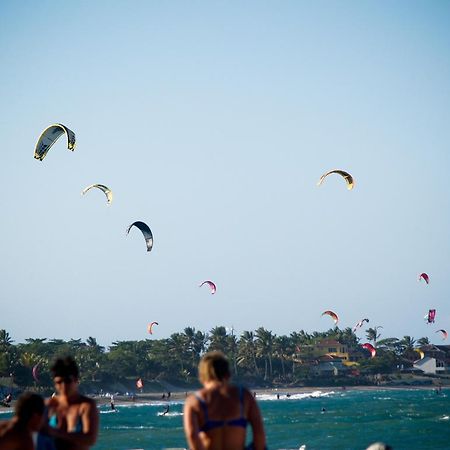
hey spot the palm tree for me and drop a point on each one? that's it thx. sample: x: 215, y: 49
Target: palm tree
x: 218, y: 339
x: 423, y: 341
x: 373, y: 335
x: 407, y: 345
x: 247, y: 351
x: 264, y: 347
x: 283, y: 349
x: 5, y: 340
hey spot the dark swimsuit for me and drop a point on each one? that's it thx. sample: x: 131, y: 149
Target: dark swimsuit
x: 211, y: 424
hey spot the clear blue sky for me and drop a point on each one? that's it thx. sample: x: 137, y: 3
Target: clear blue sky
x: 212, y: 122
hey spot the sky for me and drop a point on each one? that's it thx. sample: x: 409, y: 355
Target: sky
x: 212, y: 122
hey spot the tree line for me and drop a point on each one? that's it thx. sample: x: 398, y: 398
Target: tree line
x: 258, y: 357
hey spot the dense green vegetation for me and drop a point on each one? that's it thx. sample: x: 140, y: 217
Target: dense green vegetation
x: 257, y: 357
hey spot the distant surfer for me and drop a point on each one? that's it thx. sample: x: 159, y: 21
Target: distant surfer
x: 278, y: 396
x: 113, y: 406
x: 324, y: 410
x: 166, y: 411
x: 7, y: 401
x: 168, y: 394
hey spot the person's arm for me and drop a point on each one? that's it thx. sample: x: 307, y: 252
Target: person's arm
x: 191, y: 427
x: 255, y: 419
x: 89, y: 419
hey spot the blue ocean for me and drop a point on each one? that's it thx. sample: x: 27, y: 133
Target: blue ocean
x: 351, y: 419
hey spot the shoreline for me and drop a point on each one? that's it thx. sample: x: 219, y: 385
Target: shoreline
x: 152, y: 397
x: 181, y: 396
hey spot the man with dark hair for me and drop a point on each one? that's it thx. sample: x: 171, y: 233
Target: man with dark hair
x: 17, y: 433
x: 73, y: 418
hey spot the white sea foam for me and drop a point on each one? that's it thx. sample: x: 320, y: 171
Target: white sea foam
x: 170, y: 414
x: 300, y: 396
x: 126, y: 427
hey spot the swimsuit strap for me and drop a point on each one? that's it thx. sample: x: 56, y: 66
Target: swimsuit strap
x: 241, y: 400
x: 203, y: 405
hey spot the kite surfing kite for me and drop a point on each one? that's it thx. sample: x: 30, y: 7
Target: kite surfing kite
x: 106, y: 190
x: 430, y: 316
x: 444, y: 334
x: 35, y: 372
x: 425, y: 277
x: 370, y: 348
x: 333, y: 315
x: 211, y: 285
x: 150, y: 326
x: 420, y: 352
x: 360, y: 324
x: 145, y: 231
x: 347, y: 177
x: 49, y: 136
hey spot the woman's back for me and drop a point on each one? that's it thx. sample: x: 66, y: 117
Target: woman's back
x: 216, y: 417
x: 223, y: 416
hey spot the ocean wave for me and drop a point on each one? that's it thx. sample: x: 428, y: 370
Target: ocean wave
x: 300, y: 396
x: 127, y: 427
x: 170, y: 414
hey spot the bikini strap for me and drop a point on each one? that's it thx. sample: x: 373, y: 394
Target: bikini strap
x: 203, y: 405
x: 241, y: 399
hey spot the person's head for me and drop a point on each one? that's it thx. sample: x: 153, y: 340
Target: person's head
x: 213, y: 367
x: 379, y: 446
x: 65, y: 375
x: 29, y: 410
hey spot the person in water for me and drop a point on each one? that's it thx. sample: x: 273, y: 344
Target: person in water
x: 166, y: 410
x: 216, y: 417
x: 113, y: 406
x: 72, y: 418
x: 18, y: 433
x: 6, y: 401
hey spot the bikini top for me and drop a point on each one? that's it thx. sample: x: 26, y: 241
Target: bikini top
x: 53, y: 422
x: 211, y: 424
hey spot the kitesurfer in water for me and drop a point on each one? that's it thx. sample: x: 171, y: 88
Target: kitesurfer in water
x: 217, y: 415
x: 166, y: 410
x: 113, y: 406
x: 7, y: 400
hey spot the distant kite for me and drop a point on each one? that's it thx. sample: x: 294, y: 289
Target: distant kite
x: 145, y: 231
x: 424, y: 276
x: 333, y: 315
x: 371, y: 349
x: 360, y: 324
x: 211, y: 285
x: 150, y: 327
x: 430, y: 316
x: 49, y: 136
x: 444, y: 334
x: 420, y: 352
x: 347, y: 177
x: 35, y: 372
x: 106, y: 190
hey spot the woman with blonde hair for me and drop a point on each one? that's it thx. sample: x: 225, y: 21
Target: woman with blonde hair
x: 216, y: 417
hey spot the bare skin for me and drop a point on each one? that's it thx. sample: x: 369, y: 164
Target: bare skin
x: 15, y: 435
x: 71, y: 410
x: 222, y: 401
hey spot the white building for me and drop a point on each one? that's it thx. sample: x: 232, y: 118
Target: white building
x: 430, y: 365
